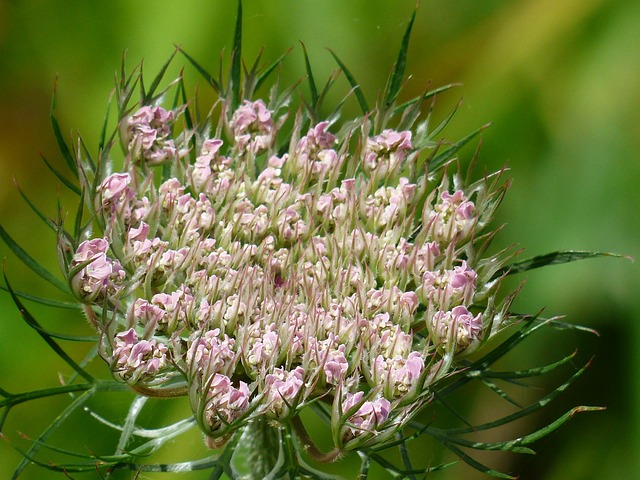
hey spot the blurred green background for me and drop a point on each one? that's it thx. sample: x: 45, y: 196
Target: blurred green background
x: 558, y: 79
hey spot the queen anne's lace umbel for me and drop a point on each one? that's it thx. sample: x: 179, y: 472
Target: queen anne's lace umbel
x: 258, y: 281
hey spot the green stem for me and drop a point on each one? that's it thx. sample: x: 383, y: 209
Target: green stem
x: 310, y: 447
x: 104, y: 386
x: 259, y: 449
x: 160, y: 392
x: 265, y: 447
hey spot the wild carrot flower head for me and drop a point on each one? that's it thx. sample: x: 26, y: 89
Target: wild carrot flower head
x: 264, y: 279
x: 264, y: 260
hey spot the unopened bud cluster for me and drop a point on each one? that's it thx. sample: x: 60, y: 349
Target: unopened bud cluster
x: 258, y: 281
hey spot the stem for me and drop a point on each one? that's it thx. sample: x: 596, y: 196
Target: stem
x: 258, y: 450
x: 92, y: 318
x: 100, y: 386
x: 310, y: 447
x: 265, y: 445
x: 160, y: 392
x: 46, y: 392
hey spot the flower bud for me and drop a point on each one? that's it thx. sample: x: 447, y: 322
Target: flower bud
x: 135, y: 360
x: 456, y: 330
x: 99, y: 275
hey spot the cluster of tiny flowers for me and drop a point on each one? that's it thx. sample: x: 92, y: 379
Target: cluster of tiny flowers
x: 263, y: 281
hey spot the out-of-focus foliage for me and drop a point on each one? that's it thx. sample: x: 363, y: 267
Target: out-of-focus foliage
x: 558, y: 79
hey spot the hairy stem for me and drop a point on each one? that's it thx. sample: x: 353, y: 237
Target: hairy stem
x: 310, y: 448
x: 161, y: 392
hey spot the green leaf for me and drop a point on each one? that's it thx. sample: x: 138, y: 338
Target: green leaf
x: 182, y: 95
x: 206, y: 75
x: 103, y: 132
x: 554, y: 258
x: 162, y: 435
x: 178, y: 467
x: 572, y: 326
x: 500, y: 392
x: 530, y: 325
x: 55, y: 304
x: 354, y: 84
x: 404, y: 454
x: 59, y: 420
x: 428, y: 94
x: 85, y: 158
x: 42, y: 216
x: 13, y: 400
x: 311, y: 472
x: 3, y: 417
x: 130, y: 423
x: 148, y: 97
x: 441, y: 401
x: 440, y: 159
x: 103, y: 386
x: 62, y: 145
x: 153, y: 433
x: 236, y: 60
x: 395, y: 471
x: 533, y: 407
x: 217, y: 462
x: 31, y: 263
x: 77, y: 224
x: 33, y: 323
x: 313, y: 111
x: 313, y: 90
x: 477, y: 465
x: 393, y: 443
x: 94, y: 460
x: 365, y: 464
x: 71, y: 338
x: 528, y: 373
x: 65, y: 181
x: 395, y: 83
x: 543, y: 432
x: 515, y: 445
x: 126, y: 87
x: 442, y: 125
x: 508, y: 446
x: 264, y: 74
